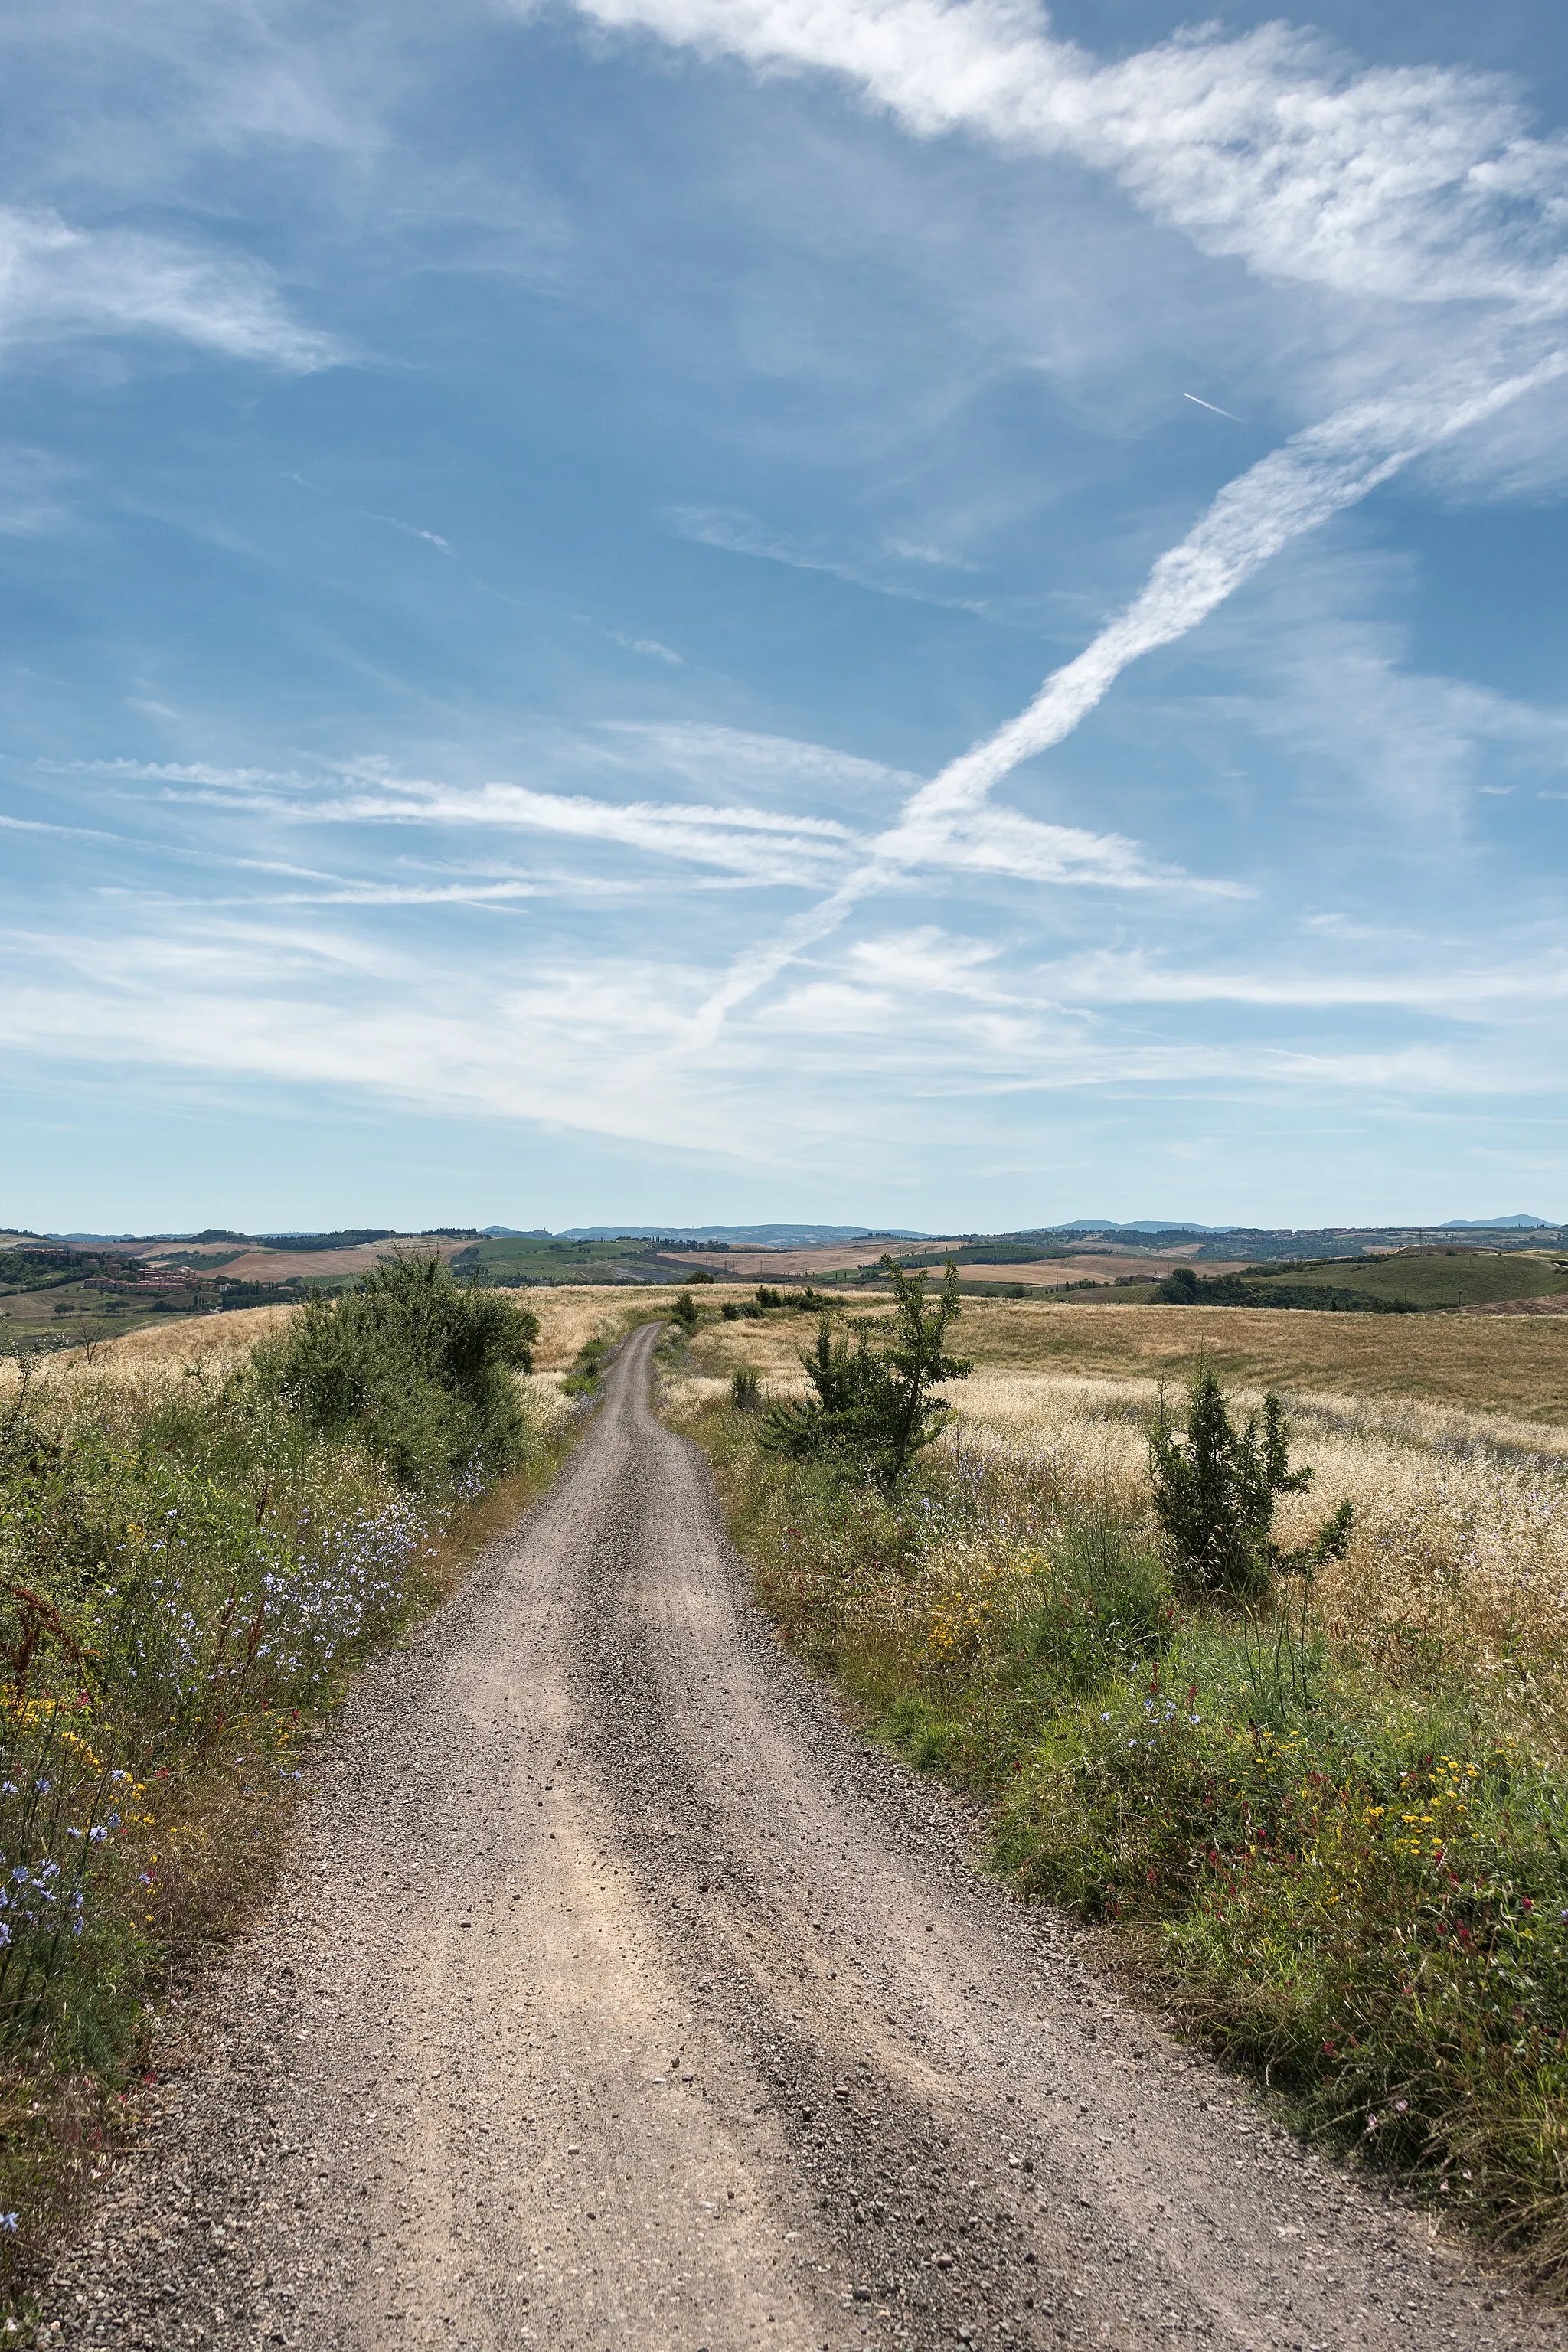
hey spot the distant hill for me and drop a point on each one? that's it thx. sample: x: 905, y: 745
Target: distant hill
x: 1134, y: 1225
x: 1493, y: 1224
x: 782, y: 1236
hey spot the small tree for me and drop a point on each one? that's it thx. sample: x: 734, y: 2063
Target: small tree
x: 874, y: 1407
x: 686, y: 1313
x: 1215, y: 1492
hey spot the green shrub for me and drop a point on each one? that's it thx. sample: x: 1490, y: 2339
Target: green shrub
x: 874, y: 1410
x: 1214, y: 1493
x: 685, y: 1313
x: 583, y: 1380
x: 746, y: 1389
x: 414, y: 1366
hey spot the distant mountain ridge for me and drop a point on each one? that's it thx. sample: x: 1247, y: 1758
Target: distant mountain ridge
x: 796, y: 1236
x: 1493, y: 1224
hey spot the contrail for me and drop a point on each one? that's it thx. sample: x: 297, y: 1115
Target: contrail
x: 1210, y: 406
x: 1316, y: 475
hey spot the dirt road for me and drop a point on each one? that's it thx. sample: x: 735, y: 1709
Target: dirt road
x: 621, y: 2000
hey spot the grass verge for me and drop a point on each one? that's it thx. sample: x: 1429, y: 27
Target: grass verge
x: 1343, y: 1864
x: 195, y: 1563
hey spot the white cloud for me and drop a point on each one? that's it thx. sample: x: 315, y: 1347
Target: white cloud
x: 1423, y: 188
x: 1415, y: 745
x: 57, y: 282
x: 1457, y: 991
x: 753, y: 842
x: 707, y: 753
x: 1422, y: 184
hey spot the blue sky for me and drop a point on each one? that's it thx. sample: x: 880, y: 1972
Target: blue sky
x: 763, y: 608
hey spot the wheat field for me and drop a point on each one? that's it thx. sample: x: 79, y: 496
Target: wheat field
x: 1513, y: 1368
x: 1458, y: 1559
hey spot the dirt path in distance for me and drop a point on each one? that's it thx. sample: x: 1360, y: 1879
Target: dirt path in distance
x: 620, y: 2000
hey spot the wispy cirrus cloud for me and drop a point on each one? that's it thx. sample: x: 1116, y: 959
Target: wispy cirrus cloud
x: 892, y: 568
x: 59, y: 283
x: 1423, y: 188
x: 1461, y: 992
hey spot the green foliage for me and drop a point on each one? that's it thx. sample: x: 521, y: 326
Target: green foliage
x: 1362, y: 1892
x: 583, y: 1380
x: 1107, y: 1608
x: 416, y: 1366
x: 874, y: 1410
x: 746, y: 1389
x: 189, y: 1573
x: 1183, y: 1287
x: 1214, y: 1493
x: 686, y: 1313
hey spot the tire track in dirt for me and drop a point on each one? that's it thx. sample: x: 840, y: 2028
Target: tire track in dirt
x: 620, y: 1997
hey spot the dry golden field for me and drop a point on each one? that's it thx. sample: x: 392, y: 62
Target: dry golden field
x: 568, y: 1319
x: 1454, y: 1454
x: 1515, y: 1367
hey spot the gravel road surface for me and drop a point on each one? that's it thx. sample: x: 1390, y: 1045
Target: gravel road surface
x: 619, y: 2000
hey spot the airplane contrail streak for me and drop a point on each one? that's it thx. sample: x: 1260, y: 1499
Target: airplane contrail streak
x: 1210, y: 406
x: 1315, y: 474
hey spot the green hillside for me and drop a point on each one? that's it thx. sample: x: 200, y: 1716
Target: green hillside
x: 1432, y: 1277
x: 513, y: 1261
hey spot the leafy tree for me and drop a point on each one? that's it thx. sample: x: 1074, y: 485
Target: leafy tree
x: 874, y: 1408
x: 1215, y: 1490
x: 1180, y: 1287
x: 686, y: 1312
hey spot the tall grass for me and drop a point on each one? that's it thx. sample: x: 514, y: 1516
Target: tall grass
x: 193, y: 1564
x: 1331, y: 1833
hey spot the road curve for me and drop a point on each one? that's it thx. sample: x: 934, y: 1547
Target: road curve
x: 619, y: 2000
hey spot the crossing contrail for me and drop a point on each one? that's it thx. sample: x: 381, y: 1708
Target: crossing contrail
x: 1318, y: 474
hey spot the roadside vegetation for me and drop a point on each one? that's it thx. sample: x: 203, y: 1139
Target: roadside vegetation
x: 193, y: 1560
x: 1268, y: 1693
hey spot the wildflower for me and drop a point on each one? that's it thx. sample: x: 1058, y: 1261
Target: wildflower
x: 10, y: 2221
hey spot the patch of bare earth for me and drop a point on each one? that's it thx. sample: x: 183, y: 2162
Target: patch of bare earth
x: 620, y: 1995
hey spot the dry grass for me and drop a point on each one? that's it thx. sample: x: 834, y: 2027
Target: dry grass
x: 1333, y: 1842
x: 161, y: 1351
x: 1518, y: 1366
x: 1515, y: 1369
x: 572, y: 1315
x: 1459, y: 1562
x: 568, y: 1318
